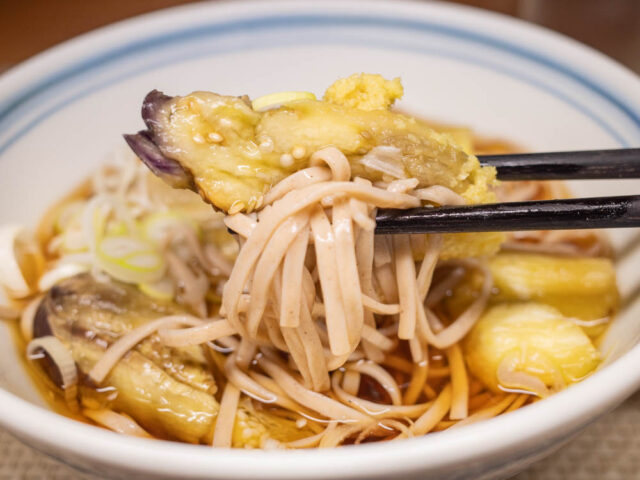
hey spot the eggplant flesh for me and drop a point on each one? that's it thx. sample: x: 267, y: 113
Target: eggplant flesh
x: 169, y: 391
x: 232, y: 155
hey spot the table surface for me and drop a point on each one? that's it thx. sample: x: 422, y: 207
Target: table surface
x: 607, y: 450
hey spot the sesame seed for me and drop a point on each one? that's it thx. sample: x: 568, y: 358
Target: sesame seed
x: 298, y: 152
x: 215, y: 137
x: 198, y: 138
x: 286, y: 160
x: 266, y: 145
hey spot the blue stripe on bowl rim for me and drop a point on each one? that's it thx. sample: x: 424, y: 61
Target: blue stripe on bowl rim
x: 17, y: 106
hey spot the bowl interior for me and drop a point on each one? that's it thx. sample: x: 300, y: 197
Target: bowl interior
x: 64, y: 113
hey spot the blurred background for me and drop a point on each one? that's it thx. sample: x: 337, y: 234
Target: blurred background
x: 29, y: 26
x: 606, y: 451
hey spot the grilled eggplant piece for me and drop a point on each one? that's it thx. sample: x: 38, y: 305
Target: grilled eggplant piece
x: 169, y: 391
x: 232, y: 155
x: 212, y: 137
x: 235, y: 154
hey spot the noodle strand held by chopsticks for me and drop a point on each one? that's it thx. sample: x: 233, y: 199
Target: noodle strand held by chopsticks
x: 289, y: 205
x: 315, y: 355
x: 292, y: 272
x: 360, y: 210
x: 241, y: 224
x: 298, y: 353
x: 364, y: 249
x: 428, y: 265
x: 296, y: 181
x: 223, y: 432
x: 335, y: 160
x: 267, y: 265
x: 348, y: 277
x: 273, y: 329
x: 406, y: 277
x: 383, y: 269
x: 328, y: 271
x: 439, y: 195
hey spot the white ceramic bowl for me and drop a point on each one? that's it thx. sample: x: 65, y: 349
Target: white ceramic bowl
x: 63, y: 111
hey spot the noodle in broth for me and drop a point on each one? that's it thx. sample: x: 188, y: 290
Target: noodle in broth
x: 307, y: 316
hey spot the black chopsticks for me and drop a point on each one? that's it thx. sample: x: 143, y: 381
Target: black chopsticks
x: 576, y: 213
x: 578, y: 165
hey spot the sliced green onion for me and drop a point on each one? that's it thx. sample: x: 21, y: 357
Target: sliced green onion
x: 280, y: 98
x: 117, y: 228
x: 156, y: 227
x: 62, y: 271
x: 130, y: 259
x: 163, y: 289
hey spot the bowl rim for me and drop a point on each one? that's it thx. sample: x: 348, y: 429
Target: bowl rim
x: 577, y: 405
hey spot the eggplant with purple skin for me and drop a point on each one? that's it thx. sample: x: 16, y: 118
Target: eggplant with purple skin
x: 231, y: 154
x: 206, y: 142
x: 168, y: 391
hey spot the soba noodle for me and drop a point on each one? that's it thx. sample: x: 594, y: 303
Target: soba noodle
x: 310, y: 218
x: 320, y: 319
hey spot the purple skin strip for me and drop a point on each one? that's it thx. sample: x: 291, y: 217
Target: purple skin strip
x: 164, y: 167
x: 152, y: 109
x: 145, y: 144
